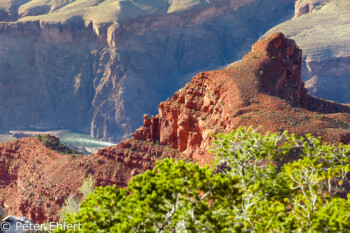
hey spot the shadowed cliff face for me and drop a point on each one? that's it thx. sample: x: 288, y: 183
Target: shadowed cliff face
x: 101, y: 76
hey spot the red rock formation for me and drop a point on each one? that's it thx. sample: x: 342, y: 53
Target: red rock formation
x: 265, y: 88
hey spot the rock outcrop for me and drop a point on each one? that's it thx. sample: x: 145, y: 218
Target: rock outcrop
x: 264, y: 88
x: 98, y: 66
x: 321, y: 29
x: 303, y: 7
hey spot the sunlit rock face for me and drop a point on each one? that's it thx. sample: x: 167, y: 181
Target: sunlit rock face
x: 98, y: 66
x: 321, y: 29
x: 263, y: 90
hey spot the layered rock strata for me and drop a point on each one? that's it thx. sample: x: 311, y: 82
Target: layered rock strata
x: 265, y: 88
x: 98, y: 66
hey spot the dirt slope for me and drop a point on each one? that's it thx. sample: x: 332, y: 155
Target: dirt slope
x: 35, y: 181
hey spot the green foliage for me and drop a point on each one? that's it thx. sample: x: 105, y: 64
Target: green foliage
x: 333, y: 217
x: 71, y: 206
x: 174, y: 196
x: 53, y: 143
x: 88, y: 186
x: 298, y: 196
x: 277, y: 182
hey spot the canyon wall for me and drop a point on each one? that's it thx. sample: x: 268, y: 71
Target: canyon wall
x: 99, y: 67
x: 321, y: 29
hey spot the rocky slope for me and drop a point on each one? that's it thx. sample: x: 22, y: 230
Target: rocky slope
x: 35, y: 181
x: 321, y: 28
x: 98, y: 66
x: 264, y: 88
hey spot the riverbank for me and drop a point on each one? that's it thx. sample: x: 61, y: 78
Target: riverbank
x: 80, y: 141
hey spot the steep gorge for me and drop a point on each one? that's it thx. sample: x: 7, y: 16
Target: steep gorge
x: 100, y: 73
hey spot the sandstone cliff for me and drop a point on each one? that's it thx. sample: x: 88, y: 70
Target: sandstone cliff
x: 264, y: 88
x: 321, y: 29
x: 98, y: 66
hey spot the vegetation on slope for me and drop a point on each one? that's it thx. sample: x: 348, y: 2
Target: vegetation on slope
x: 54, y: 144
x: 260, y: 183
x: 72, y: 204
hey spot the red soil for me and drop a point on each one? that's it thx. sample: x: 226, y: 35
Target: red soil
x: 35, y: 181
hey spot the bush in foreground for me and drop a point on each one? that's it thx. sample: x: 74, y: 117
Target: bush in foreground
x: 175, y: 196
x: 260, y: 183
x: 289, y: 183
